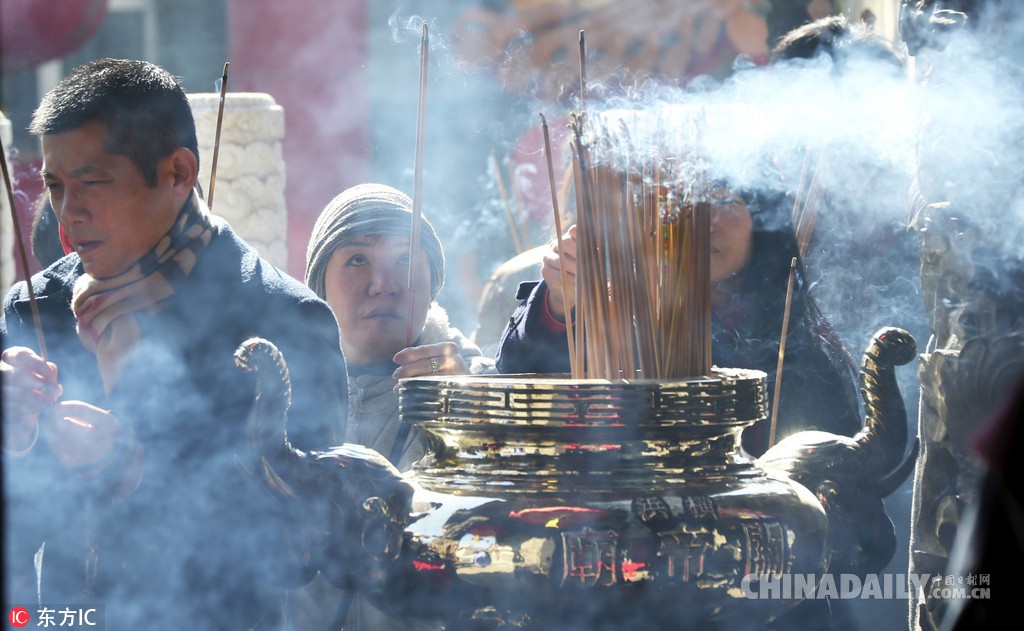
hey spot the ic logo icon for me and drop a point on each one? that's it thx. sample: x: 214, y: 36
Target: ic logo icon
x: 19, y: 617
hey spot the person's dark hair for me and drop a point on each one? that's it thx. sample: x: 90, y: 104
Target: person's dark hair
x: 836, y: 37
x: 145, y: 110
x: 46, y: 245
x: 766, y: 277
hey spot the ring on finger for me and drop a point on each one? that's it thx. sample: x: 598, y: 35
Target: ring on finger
x: 435, y: 365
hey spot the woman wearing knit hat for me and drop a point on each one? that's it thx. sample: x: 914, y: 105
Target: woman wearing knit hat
x: 358, y: 261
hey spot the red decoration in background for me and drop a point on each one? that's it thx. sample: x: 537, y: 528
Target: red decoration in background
x: 34, y: 31
x: 313, y: 62
x: 533, y: 47
x: 27, y: 187
x: 528, y: 172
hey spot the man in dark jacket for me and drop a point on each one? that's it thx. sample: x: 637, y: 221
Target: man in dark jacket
x: 128, y: 479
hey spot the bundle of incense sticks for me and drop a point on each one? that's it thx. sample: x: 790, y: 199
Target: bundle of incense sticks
x: 643, y: 290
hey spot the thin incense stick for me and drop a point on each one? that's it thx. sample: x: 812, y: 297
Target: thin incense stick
x: 782, y: 352
x: 583, y: 73
x: 581, y: 323
x: 558, y: 235
x: 417, y: 194
x: 519, y: 215
x: 797, y: 207
x: 808, y: 212
x: 22, y: 255
x: 513, y: 230
x: 216, y: 141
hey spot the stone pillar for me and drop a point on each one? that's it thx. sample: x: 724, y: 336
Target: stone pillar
x: 250, y: 184
x: 7, y: 260
x: 971, y: 365
x: 967, y: 200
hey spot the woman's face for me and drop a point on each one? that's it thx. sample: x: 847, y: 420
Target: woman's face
x: 367, y: 288
x: 732, y: 232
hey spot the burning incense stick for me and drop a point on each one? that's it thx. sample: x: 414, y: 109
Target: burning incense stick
x: 519, y: 217
x: 583, y: 73
x: 417, y: 194
x: 216, y: 141
x: 577, y: 174
x: 805, y: 211
x: 561, y: 257
x: 797, y: 208
x: 782, y: 352
x: 512, y: 228
x: 804, y: 230
x: 22, y: 255
x: 78, y: 422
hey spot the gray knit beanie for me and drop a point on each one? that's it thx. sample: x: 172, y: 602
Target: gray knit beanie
x: 368, y: 209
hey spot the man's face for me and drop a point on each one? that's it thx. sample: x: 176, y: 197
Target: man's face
x: 110, y: 214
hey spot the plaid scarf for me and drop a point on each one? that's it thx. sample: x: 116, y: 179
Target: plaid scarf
x: 106, y: 310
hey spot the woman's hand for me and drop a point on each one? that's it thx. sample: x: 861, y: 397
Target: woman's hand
x: 561, y: 298
x: 29, y: 387
x: 442, y: 358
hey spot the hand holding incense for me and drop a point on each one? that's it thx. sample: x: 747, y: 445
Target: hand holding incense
x: 22, y: 255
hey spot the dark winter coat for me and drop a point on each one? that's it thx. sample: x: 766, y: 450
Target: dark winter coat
x: 197, y: 543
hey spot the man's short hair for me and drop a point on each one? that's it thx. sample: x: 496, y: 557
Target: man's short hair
x: 145, y: 109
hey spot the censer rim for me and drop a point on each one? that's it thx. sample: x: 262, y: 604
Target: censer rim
x: 718, y: 375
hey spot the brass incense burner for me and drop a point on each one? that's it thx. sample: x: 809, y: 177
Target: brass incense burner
x: 537, y: 436
x: 554, y: 503
x: 606, y: 501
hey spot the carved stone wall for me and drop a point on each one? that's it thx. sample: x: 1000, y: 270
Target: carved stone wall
x: 250, y: 179
x: 970, y: 189
x: 974, y: 359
